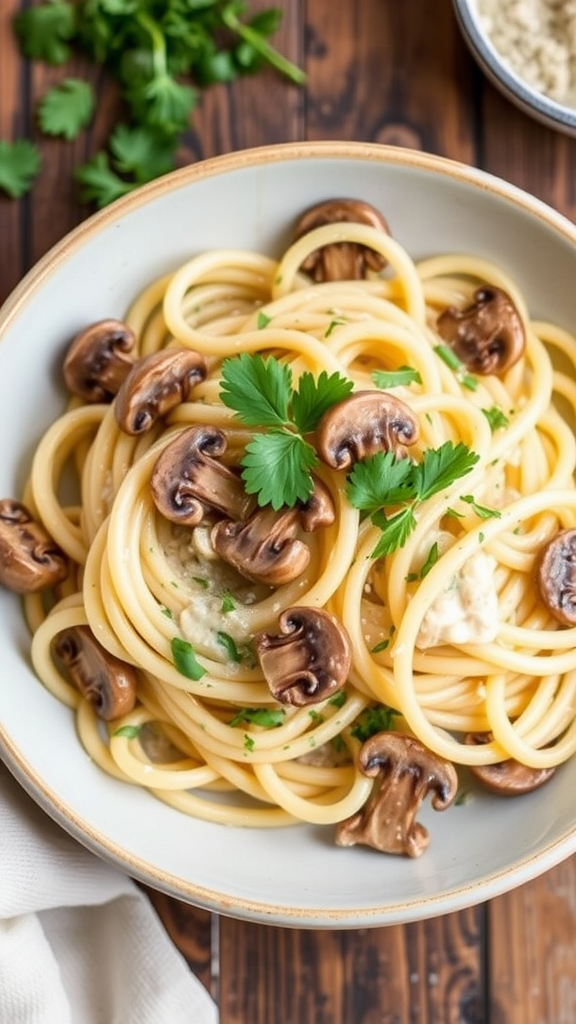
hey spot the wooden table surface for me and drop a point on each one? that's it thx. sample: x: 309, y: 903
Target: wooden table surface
x: 389, y: 72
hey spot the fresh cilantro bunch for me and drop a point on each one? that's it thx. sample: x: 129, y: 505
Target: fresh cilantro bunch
x: 277, y: 464
x: 161, y: 53
x: 385, y: 481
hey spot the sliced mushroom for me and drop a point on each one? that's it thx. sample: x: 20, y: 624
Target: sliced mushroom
x: 308, y: 660
x: 556, y: 576
x: 489, y: 335
x: 509, y: 777
x: 265, y: 547
x: 29, y: 559
x: 341, y: 261
x: 99, y: 359
x: 405, y: 771
x: 189, y: 477
x: 156, y: 384
x: 107, y: 682
x: 362, y: 424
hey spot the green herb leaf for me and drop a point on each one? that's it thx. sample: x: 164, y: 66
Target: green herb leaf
x: 228, y: 603
x: 185, y: 659
x: 266, y: 718
x: 374, y: 719
x: 432, y: 558
x: 315, y: 395
x: 20, y: 163
x: 143, y: 152
x: 67, y: 108
x: 257, y: 389
x: 482, y: 511
x: 381, y: 480
x: 395, y: 531
x: 130, y: 732
x: 384, y: 481
x: 496, y: 418
x: 262, y: 320
x: 229, y: 645
x: 277, y: 468
x: 44, y: 31
x: 440, y: 467
x: 404, y: 375
x: 448, y: 356
x: 100, y: 183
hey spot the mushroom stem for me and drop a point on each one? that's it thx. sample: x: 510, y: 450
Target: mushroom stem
x: 341, y: 261
x: 404, y: 772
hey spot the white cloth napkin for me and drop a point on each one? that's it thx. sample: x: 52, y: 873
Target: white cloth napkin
x: 79, y: 942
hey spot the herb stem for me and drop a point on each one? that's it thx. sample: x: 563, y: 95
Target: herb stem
x: 263, y: 47
x: 158, y: 43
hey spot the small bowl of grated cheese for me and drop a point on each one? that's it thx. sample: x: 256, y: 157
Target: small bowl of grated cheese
x: 527, y: 48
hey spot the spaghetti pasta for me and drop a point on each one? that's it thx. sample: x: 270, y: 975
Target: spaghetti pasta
x: 448, y: 634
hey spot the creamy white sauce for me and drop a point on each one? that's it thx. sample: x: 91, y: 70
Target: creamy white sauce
x: 466, y: 612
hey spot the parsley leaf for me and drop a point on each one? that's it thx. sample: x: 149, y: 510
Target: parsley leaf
x: 45, y: 31
x: 185, y: 659
x: 314, y: 396
x: 374, y: 719
x: 277, y: 468
x: 145, y: 153
x: 100, y: 182
x: 66, y: 108
x: 440, y: 467
x: 482, y: 511
x: 20, y: 163
x: 277, y: 464
x: 404, y: 375
x: 449, y: 357
x: 496, y: 417
x: 266, y: 718
x: 384, y: 481
x: 257, y: 389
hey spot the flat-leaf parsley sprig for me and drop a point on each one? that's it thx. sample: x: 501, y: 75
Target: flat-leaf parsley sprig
x: 384, y: 481
x: 278, y: 462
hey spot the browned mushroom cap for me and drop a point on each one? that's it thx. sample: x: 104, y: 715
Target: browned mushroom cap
x: 265, y: 548
x: 155, y: 385
x: 555, y: 574
x: 404, y: 772
x: 507, y: 778
x: 29, y: 559
x: 362, y: 424
x: 341, y: 261
x: 308, y: 660
x: 188, y: 477
x: 99, y: 359
x: 106, y: 681
x: 488, y: 336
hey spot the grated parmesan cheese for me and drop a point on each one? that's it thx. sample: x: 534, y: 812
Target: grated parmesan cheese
x: 537, y: 40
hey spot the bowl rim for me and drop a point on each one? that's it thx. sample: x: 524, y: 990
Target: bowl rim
x: 274, y: 153
x: 525, y: 867
x: 537, y: 104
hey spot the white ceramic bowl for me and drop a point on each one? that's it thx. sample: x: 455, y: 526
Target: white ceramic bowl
x: 508, y: 81
x: 289, y: 876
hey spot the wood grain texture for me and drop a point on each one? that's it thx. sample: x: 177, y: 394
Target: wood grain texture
x: 394, y: 73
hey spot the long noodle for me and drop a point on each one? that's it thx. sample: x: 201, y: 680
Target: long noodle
x: 138, y: 582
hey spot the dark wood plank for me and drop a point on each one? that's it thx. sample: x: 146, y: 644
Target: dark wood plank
x: 380, y: 71
x: 419, y: 974
x: 254, y: 110
x: 532, y: 951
